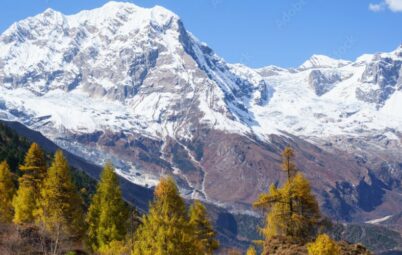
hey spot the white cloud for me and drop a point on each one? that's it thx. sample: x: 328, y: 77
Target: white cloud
x: 376, y: 7
x: 393, y: 5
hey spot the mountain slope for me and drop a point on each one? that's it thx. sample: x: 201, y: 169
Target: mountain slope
x: 15, y: 140
x: 131, y: 85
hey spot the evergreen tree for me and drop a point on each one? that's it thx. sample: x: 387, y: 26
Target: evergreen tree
x: 166, y: 229
x: 203, y: 229
x: 292, y: 209
x: 7, y: 190
x: 251, y: 251
x: 323, y: 245
x: 108, y: 214
x: 60, y: 207
x: 34, y: 171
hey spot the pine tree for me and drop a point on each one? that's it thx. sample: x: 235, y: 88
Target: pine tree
x: 60, y: 207
x: 323, y: 245
x: 7, y: 190
x: 34, y: 171
x: 251, y: 251
x: 166, y: 229
x: 202, y: 228
x: 292, y: 209
x: 108, y: 214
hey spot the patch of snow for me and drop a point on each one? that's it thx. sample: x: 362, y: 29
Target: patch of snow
x: 377, y: 221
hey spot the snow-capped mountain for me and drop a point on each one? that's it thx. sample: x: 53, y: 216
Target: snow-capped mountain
x: 132, y: 85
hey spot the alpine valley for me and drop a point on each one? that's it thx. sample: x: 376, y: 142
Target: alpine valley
x: 133, y: 86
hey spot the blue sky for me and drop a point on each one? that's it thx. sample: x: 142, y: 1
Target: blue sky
x: 264, y: 32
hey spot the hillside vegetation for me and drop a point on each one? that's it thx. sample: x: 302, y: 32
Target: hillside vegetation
x: 49, y: 208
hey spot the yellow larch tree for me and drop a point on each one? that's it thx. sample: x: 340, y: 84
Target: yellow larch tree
x: 7, y: 190
x: 60, y: 212
x: 165, y: 230
x: 202, y: 227
x: 108, y: 214
x: 25, y: 202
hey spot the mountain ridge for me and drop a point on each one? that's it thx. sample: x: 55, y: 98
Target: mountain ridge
x: 133, y: 86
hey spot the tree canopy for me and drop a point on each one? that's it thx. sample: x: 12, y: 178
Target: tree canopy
x: 166, y: 230
x: 108, y: 214
x: 292, y: 210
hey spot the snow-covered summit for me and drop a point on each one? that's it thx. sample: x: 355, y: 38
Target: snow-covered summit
x: 113, y: 8
x: 321, y: 61
x: 123, y: 15
x: 144, y: 60
x: 124, y: 12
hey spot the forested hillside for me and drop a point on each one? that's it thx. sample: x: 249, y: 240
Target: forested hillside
x: 50, y: 208
x: 13, y: 148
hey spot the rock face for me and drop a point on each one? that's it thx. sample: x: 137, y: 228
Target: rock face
x: 384, y: 77
x: 324, y: 81
x: 131, y: 85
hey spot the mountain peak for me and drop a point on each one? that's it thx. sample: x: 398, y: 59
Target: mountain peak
x: 29, y: 26
x: 322, y: 61
x: 162, y: 16
x: 124, y: 12
x: 157, y: 9
x: 113, y: 6
x: 50, y: 13
x: 398, y: 51
x: 119, y: 4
